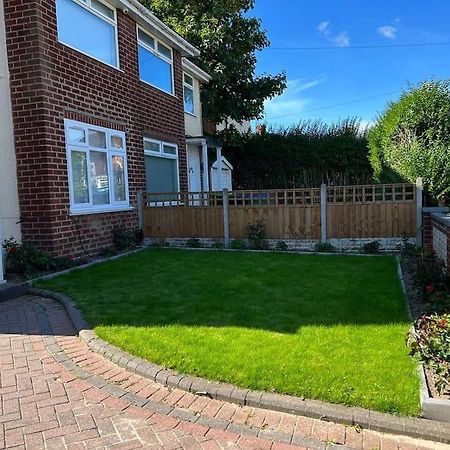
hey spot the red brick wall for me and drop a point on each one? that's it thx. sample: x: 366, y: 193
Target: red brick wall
x: 427, y: 230
x: 50, y: 82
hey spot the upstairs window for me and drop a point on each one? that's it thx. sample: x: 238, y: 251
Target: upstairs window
x: 89, y: 26
x: 97, y: 163
x: 189, y: 105
x: 155, y: 62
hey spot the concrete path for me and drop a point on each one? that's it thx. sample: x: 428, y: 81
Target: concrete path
x: 96, y: 404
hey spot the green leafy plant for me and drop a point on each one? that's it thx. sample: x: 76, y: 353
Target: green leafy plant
x: 217, y: 244
x: 25, y: 259
x: 281, y: 246
x: 324, y: 247
x: 431, y: 341
x: 371, y: 248
x: 412, y: 139
x: 194, y: 243
x: 238, y: 244
x: 257, y: 236
x: 127, y: 238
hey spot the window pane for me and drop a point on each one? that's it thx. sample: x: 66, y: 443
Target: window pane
x: 76, y: 135
x: 146, y: 39
x: 152, y: 146
x: 79, y: 177
x: 154, y: 70
x: 118, y: 164
x: 188, y: 80
x: 103, y: 9
x: 188, y: 100
x: 99, y: 180
x: 86, y: 32
x: 165, y: 51
x: 97, y: 139
x: 169, y: 149
x: 161, y: 174
x: 116, y: 142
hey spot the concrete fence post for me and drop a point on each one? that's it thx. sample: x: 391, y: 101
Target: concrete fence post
x: 226, y: 218
x: 323, y: 213
x: 2, y: 273
x: 419, y: 212
x: 140, y: 209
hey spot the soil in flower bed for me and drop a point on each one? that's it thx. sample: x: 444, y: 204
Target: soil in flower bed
x: 418, y: 309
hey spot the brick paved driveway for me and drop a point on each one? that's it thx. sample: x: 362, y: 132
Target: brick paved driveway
x: 57, y: 394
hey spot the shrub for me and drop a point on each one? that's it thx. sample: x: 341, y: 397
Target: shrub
x: 194, y: 243
x: 217, y: 244
x: 238, y: 244
x: 412, y: 139
x: 25, y: 259
x: 371, y: 248
x: 304, y: 155
x: 431, y: 341
x: 324, y: 247
x: 127, y: 238
x: 257, y: 236
x: 281, y: 246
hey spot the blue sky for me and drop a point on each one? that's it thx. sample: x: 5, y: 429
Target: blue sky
x: 318, y: 79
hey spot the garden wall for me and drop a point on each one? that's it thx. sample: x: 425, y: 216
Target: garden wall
x: 440, y: 242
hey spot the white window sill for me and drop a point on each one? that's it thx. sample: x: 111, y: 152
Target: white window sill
x: 85, y: 212
x: 191, y: 114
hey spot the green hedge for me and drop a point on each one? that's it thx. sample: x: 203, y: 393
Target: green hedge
x: 304, y: 155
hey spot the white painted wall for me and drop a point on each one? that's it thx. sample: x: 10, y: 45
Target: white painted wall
x: 194, y: 123
x: 9, y: 201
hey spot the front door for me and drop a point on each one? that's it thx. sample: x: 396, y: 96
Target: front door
x: 194, y: 177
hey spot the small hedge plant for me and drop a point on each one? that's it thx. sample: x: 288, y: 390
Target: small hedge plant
x: 25, y: 259
x: 257, y: 236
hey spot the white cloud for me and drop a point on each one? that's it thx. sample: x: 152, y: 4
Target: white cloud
x: 292, y: 101
x: 342, y: 39
x: 388, y: 31
x: 324, y: 28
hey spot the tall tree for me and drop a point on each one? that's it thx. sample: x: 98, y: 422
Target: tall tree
x: 228, y: 39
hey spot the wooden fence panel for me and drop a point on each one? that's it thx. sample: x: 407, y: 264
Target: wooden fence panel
x: 181, y: 222
x: 375, y: 211
x: 282, y: 222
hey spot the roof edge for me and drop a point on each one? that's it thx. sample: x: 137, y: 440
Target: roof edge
x: 194, y: 70
x: 137, y: 9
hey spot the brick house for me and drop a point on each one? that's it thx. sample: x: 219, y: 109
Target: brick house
x: 98, y: 99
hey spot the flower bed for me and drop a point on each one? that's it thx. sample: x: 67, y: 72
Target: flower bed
x: 428, y: 289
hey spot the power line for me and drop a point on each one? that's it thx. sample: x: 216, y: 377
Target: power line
x: 360, y: 47
x: 358, y: 100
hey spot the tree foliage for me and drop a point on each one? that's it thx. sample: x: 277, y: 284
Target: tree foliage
x: 304, y: 155
x: 412, y: 139
x: 228, y: 39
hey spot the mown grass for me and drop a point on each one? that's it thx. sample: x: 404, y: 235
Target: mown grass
x: 321, y: 327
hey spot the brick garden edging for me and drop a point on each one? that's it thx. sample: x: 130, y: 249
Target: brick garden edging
x: 353, y: 416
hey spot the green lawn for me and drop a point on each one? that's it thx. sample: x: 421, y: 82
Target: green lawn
x: 322, y: 327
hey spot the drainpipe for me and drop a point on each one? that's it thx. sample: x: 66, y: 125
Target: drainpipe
x: 205, y: 166
x: 219, y: 167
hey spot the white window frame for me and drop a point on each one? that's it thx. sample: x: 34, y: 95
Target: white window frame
x: 84, y: 147
x: 154, y: 51
x: 87, y: 5
x: 161, y: 154
x: 192, y: 88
